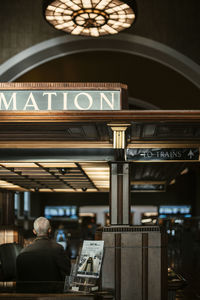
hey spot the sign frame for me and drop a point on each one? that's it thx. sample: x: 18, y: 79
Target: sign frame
x: 150, y: 183
x: 167, y: 154
x: 60, y: 97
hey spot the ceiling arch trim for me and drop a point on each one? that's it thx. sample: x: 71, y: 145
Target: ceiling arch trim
x: 125, y: 43
x: 141, y: 104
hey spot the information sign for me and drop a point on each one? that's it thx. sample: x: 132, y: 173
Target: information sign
x: 163, y: 154
x: 148, y: 187
x: 61, y: 100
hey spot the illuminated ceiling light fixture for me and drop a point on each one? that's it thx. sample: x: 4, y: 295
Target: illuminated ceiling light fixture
x: 185, y: 171
x: 90, y: 17
x: 172, y: 181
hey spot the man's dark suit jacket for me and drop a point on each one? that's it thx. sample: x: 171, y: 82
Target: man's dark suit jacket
x: 43, y: 260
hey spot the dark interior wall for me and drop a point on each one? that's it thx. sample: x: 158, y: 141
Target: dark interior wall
x: 150, y: 81
x: 174, y: 23
x: 35, y: 205
x: 182, y: 192
x: 22, y: 26
x: 197, y: 192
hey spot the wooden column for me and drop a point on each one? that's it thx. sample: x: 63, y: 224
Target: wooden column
x: 7, y: 202
x: 8, y: 231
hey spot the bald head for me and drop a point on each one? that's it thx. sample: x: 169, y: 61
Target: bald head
x: 41, y: 226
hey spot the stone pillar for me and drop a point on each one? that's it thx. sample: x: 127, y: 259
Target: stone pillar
x: 135, y: 257
x: 119, y: 193
x: 119, y: 179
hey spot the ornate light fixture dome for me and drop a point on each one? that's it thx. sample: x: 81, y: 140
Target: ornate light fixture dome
x: 90, y: 17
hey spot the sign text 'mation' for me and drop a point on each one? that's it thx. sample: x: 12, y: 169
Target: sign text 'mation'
x: 163, y: 154
x: 53, y: 100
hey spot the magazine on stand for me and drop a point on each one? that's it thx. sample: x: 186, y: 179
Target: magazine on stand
x: 90, y: 259
x: 86, y: 271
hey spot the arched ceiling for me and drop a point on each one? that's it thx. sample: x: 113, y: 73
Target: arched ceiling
x: 172, y: 23
x: 147, y: 80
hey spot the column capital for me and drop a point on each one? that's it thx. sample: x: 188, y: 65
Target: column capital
x: 118, y: 134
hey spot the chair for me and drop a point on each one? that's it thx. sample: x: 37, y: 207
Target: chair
x: 8, y: 256
x: 38, y: 273
x: 37, y: 267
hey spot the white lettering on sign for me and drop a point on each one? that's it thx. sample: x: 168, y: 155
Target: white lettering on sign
x: 190, y: 154
x: 49, y: 99
x: 88, y: 97
x: 162, y: 154
x: 169, y: 154
x: 103, y: 97
x: 148, y: 154
x: 40, y: 100
x: 6, y: 104
x: 32, y: 103
x: 65, y: 101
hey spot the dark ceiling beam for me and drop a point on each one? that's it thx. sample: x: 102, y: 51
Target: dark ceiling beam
x: 19, y: 173
x: 83, y: 172
x: 55, y: 176
x: 56, y: 155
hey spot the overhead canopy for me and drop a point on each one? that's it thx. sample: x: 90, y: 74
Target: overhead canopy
x: 43, y: 139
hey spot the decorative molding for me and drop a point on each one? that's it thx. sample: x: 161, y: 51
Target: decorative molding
x: 119, y: 138
x: 125, y: 43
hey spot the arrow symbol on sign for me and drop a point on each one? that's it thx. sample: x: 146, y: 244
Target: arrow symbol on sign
x: 190, y: 154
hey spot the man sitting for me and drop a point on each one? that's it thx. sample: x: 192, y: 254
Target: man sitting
x: 44, y: 259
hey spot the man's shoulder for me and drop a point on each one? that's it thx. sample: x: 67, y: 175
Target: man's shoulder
x: 41, y: 244
x: 55, y: 245
x: 27, y: 249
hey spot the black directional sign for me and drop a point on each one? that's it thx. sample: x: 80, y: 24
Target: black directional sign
x: 163, y: 154
x: 148, y: 187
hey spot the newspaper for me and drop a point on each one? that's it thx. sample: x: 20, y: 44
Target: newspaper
x: 90, y: 259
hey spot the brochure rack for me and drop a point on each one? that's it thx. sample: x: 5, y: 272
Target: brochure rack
x: 86, y: 271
